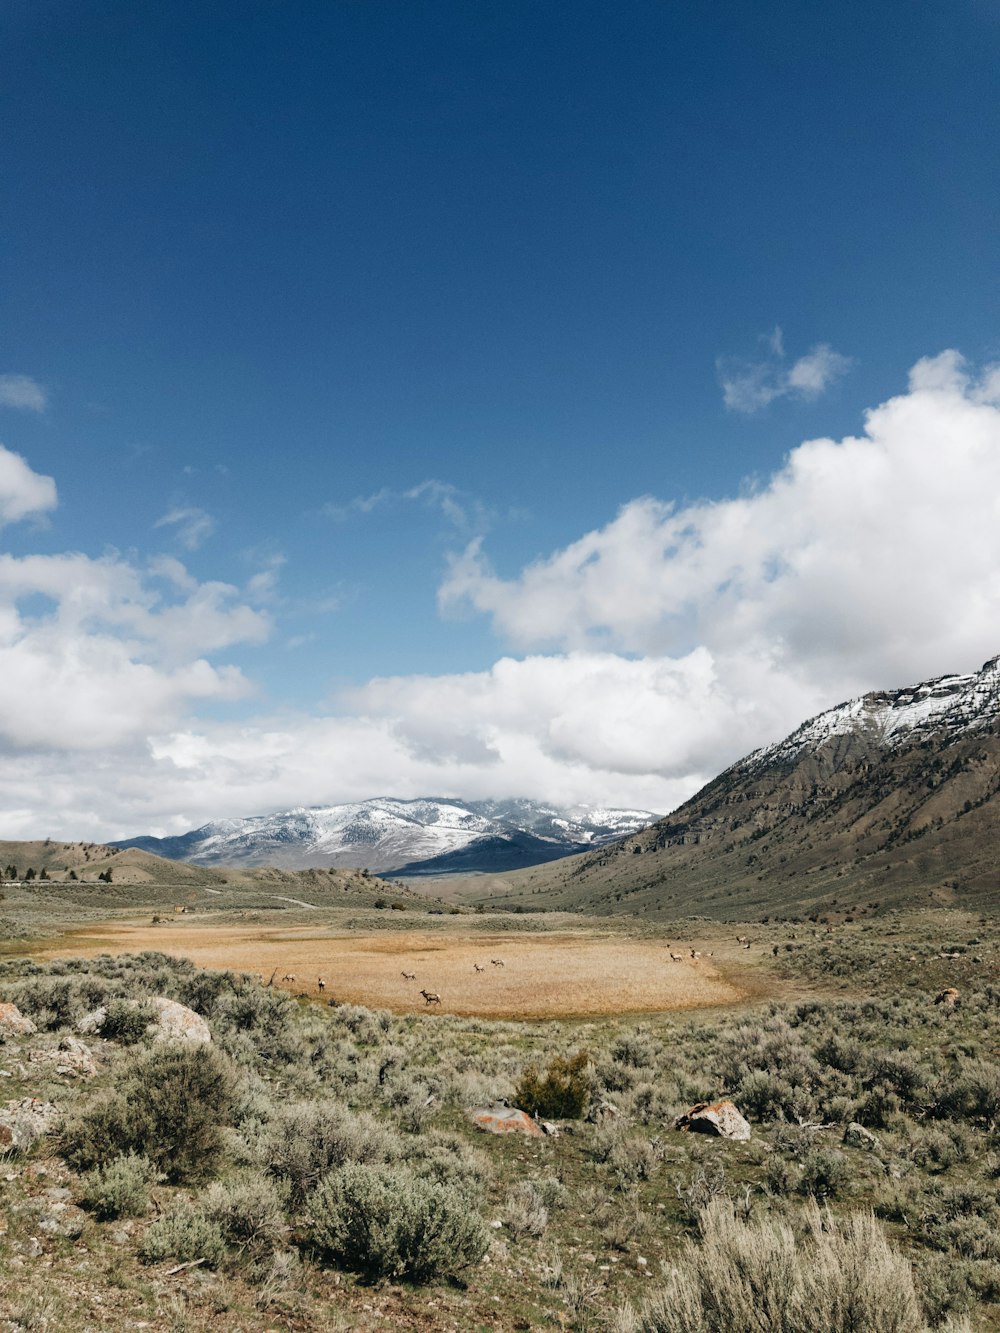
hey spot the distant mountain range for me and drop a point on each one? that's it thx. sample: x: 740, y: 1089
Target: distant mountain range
x: 892, y: 798
x: 393, y: 837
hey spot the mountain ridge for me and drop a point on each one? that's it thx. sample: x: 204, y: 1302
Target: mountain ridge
x: 402, y: 837
x: 890, y: 798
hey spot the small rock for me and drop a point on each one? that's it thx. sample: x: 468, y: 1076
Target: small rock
x: 23, y: 1121
x: 30, y: 1248
x: 63, y: 1219
x: 856, y: 1136
x: 505, y: 1120
x: 601, y: 1111
x: 719, y: 1118
x: 92, y: 1021
x: 13, y: 1023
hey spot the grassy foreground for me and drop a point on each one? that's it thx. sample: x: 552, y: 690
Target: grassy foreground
x: 315, y: 1168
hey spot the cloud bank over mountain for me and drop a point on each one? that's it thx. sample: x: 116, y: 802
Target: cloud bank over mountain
x: 638, y: 659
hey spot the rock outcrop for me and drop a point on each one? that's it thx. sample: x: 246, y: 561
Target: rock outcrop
x: 719, y: 1118
x: 505, y: 1120
x: 13, y: 1023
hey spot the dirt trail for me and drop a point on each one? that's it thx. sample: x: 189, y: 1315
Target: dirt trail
x: 556, y: 975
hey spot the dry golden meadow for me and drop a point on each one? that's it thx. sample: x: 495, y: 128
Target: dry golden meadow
x: 544, y: 975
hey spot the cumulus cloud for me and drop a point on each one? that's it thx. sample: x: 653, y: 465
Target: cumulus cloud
x: 23, y: 393
x: 651, y: 652
x: 192, y: 526
x: 749, y: 385
x: 99, y: 653
x: 22, y: 491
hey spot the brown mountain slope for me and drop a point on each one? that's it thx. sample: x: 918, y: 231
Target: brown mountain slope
x: 862, y: 806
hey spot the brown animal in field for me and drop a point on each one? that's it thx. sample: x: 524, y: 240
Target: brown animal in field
x: 695, y: 953
x: 949, y: 997
x: 289, y: 976
x: 321, y: 983
x: 431, y: 996
x: 497, y: 962
x: 747, y: 945
x: 408, y: 976
x: 477, y: 968
x: 677, y: 958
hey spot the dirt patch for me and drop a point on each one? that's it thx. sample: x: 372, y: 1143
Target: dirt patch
x: 552, y: 975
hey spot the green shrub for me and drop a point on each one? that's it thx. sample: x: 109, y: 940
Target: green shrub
x: 126, y: 1021
x: 525, y: 1213
x: 170, y: 1103
x: 121, y: 1188
x: 249, y: 1211
x: 562, y: 1094
x: 308, y: 1139
x: 384, y: 1221
x: 183, y: 1234
x: 824, y: 1173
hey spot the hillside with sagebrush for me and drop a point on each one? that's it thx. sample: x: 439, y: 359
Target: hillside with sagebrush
x: 891, y: 799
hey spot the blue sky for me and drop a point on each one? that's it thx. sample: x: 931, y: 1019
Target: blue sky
x: 424, y: 390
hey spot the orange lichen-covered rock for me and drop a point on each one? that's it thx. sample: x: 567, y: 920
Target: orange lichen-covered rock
x: 719, y: 1118
x: 505, y: 1120
x: 13, y: 1023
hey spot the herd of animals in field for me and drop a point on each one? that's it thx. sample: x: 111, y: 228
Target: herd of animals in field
x: 430, y: 997
x: 433, y: 997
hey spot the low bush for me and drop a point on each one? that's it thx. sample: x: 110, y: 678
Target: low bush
x: 563, y: 1092
x: 384, y: 1221
x: 824, y: 1173
x: 126, y: 1021
x: 121, y: 1188
x: 745, y: 1277
x: 184, y: 1234
x: 170, y: 1103
x: 249, y: 1211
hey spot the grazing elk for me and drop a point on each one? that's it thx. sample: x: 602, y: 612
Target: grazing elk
x: 497, y: 962
x: 408, y: 976
x: 289, y: 976
x: 695, y: 953
x: 321, y: 984
x: 431, y: 997
x: 477, y: 968
x: 677, y: 958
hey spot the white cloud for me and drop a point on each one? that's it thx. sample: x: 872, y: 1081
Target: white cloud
x: 864, y: 560
x: 98, y: 653
x: 748, y: 386
x: 656, y: 649
x: 22, y: 392
x: 192, y: 526
x: 463, y: 512
x: 22, y: 491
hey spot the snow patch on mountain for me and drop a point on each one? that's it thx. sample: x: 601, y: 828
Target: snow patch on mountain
x: 894, y: 718
x: 385, y: 834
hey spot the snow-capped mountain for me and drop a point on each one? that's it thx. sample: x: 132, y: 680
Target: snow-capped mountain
x: 402, y: 837
x: 891, y: 719
x: 892, y: 798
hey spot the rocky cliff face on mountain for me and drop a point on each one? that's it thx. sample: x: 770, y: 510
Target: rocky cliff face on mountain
x: 891, y: 798
x: 402, y: 837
